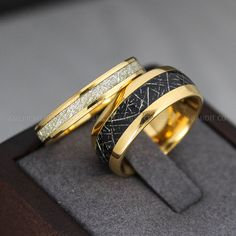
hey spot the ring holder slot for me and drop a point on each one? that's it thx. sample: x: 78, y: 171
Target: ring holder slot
x: 169, y: 182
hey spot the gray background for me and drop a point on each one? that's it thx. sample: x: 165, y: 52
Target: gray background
x: 48, y: 53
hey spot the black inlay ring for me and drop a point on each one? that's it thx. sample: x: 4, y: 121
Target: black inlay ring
x: 160, y: 83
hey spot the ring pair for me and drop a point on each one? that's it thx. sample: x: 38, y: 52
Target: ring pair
x: 163, y: 102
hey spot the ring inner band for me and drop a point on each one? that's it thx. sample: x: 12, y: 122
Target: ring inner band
x: 171, y: 125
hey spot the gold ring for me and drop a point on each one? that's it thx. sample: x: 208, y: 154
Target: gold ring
x: 163, y: 102
x: 88, y: 101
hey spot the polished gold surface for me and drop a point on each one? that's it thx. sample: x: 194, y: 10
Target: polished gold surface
x: 88, y: 101
x: 166, y: 121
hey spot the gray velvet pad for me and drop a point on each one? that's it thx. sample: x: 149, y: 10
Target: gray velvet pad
x: 162, y: 175
x: 110, y: 205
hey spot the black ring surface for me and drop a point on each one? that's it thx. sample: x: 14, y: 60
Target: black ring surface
x: 132, y: 106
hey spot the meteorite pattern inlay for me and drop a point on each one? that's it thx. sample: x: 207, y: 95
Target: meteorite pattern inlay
x: 136, y: 103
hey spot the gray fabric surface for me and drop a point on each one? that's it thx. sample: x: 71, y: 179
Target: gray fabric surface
x: 110, y: 205
x: 162, y: 175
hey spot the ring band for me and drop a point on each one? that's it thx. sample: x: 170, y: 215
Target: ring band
x: 88, y: 101
x: 163, y: 102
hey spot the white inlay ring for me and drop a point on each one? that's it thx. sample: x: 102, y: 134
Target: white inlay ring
x: 88, y: 101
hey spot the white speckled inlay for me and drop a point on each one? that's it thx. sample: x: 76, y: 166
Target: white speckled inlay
x: 88, y: 98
